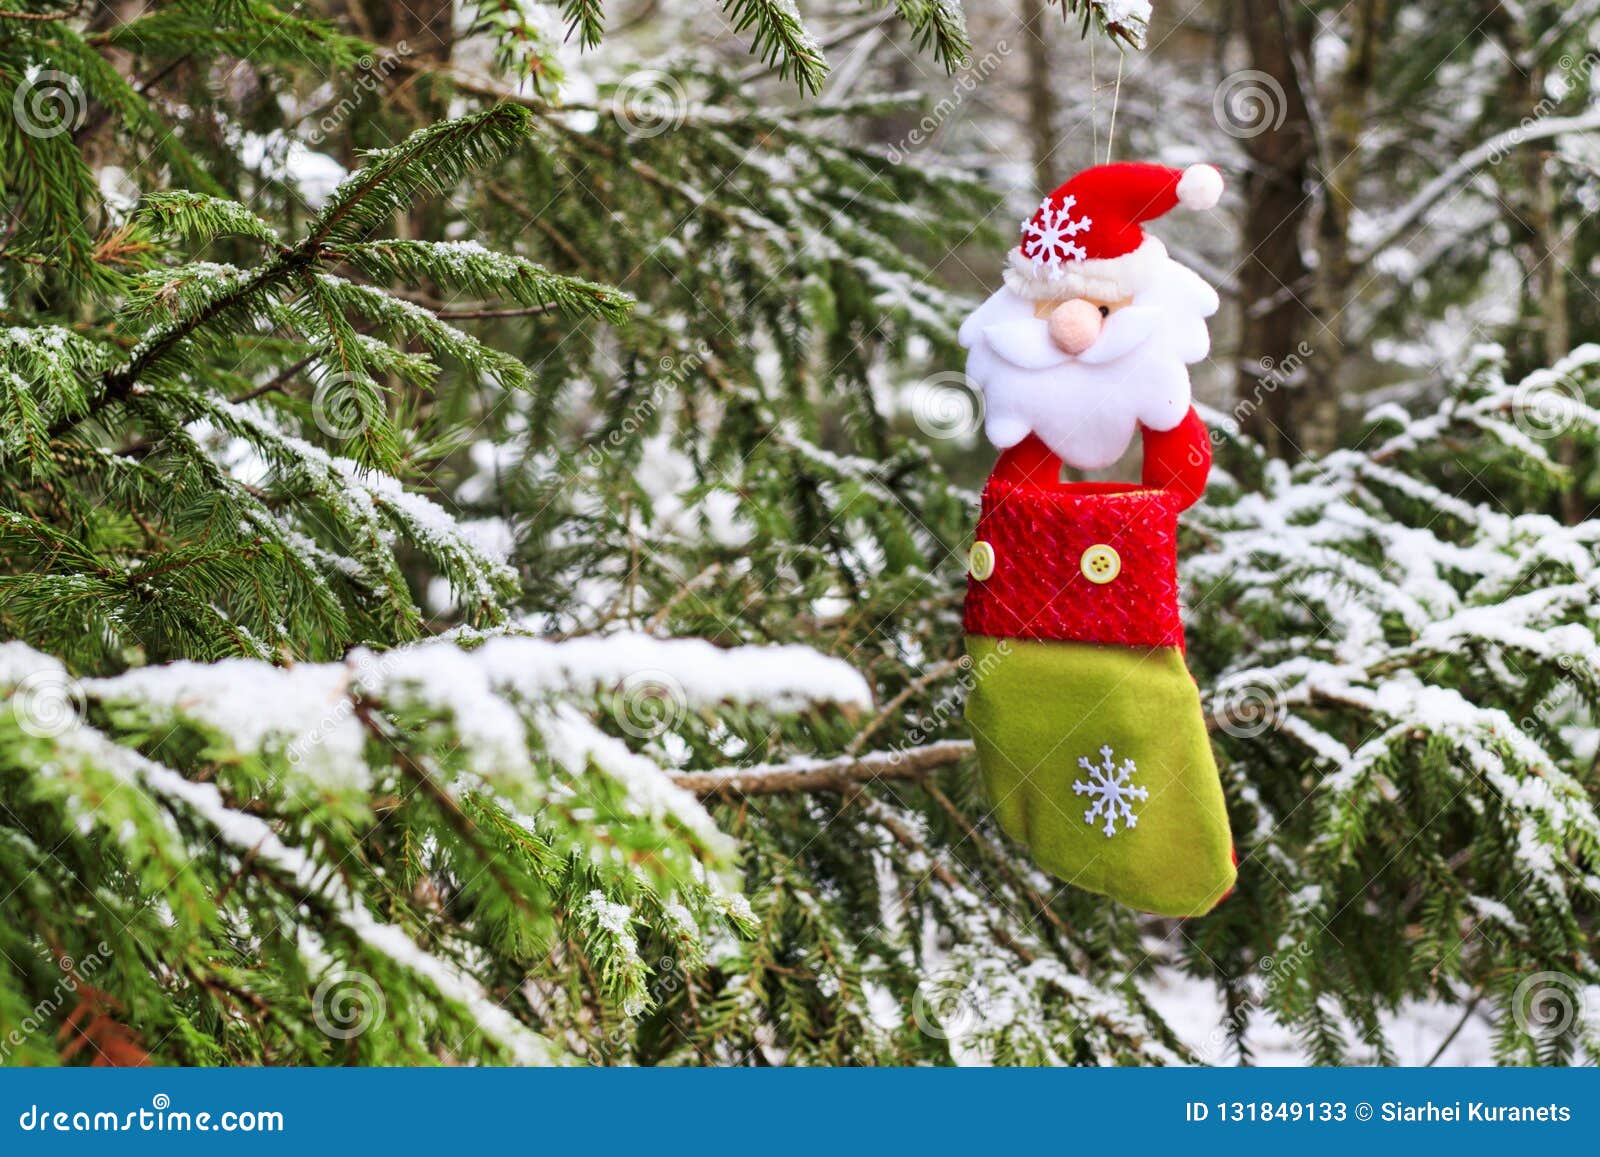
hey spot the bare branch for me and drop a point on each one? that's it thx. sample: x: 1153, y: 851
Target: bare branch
x: 803, y: 775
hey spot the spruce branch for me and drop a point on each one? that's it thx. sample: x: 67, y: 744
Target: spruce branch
x: 117, y: 384
x: 940, y: 25
x: 780, y: 39
x: 254, y: 30
x: 426, y: 780
x: 846, y: 32
x: 431, y: 158
x: 586, y: 19
x: 1098, y: 16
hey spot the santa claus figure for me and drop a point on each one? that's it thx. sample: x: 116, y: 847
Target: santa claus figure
x: 1088, y: 726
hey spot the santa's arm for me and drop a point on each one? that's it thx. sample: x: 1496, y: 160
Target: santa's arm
x: 1179, y: 459
x: 1029, y: 463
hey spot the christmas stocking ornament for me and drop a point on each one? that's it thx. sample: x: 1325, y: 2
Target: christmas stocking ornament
x: 1087, y: 722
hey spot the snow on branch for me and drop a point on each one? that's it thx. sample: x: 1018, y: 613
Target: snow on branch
x: 306, y: 708
x: 80, y: 746
x: 509, y: 763
x: 1385, y: 232
x: 1392, y: 616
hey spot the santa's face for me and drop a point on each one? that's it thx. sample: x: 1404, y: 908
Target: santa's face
x: 1083, y: 373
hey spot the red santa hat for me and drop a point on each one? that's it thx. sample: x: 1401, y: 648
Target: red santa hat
x: 1085, y: 239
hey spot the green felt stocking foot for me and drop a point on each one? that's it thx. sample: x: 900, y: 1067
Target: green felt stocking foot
x: 1097, y: 758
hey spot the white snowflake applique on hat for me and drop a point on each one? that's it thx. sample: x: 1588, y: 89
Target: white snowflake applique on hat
x: 1113, y: 791
x: 1047, y: 235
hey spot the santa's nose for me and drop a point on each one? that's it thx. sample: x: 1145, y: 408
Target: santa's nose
x: 1075, y: 324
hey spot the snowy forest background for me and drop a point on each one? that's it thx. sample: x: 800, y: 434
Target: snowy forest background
x: 484, y: 487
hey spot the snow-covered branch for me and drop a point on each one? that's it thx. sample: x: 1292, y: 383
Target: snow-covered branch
x: 1385, y: 232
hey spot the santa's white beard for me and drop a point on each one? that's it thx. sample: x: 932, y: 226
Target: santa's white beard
x: 1087, y: 408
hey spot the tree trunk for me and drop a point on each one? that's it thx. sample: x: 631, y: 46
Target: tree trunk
x: 1036, y: 24
x: 1340, y: 165
x: 425, y: 25
x: 1545, y: 250
x: 1273, y: 274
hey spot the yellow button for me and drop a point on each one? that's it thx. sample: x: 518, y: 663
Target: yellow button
x: 980, y: 560
x: 1100, y: 563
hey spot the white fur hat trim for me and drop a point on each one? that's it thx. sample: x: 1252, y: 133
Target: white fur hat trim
x: 1101, y: 278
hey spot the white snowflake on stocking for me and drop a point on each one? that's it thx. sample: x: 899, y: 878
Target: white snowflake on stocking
x: 1047, y: 235
x: 1112, y: 789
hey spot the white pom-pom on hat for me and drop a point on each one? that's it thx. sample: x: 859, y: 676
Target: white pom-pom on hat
x: 1200, y: 187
